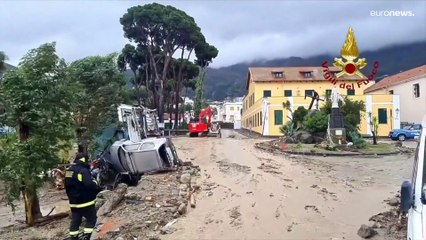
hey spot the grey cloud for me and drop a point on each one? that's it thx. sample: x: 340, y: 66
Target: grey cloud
x: 241, y: 30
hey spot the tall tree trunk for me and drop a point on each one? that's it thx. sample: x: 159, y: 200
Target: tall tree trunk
x: 149, y: 93
x: 177, y: 94
x: 199, y: 93
x: 374, y: 139
x: 137, y: 86
x: 32, y: 205
x: 177, y: 100
x: 82, y: 141
x: 161, y: 102
x: 170, y: 114
x: 29, y: 193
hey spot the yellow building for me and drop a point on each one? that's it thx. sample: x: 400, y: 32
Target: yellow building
x: 268, y: 88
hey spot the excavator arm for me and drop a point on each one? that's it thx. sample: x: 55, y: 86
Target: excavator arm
x: 206, y: 112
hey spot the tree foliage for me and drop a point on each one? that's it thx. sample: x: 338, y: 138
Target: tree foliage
x: 100, y: 90
x: 38, y: 101
x: 3, y: 59
x: 136, y: 59
x: 299, y: 116
x: 205, y: 54
x: 316, y: 122
x: 160, y: 31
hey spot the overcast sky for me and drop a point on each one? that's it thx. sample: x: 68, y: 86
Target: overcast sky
x: 242, y: 30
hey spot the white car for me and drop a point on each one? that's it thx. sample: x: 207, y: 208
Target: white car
x: 413, y: 194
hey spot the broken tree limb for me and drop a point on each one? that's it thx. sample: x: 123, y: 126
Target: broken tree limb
x: 51, y: 211
x: 192, y: 200
x: 48, y: 219
x: 38, y: 222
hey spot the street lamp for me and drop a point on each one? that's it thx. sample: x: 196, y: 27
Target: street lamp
x: 396, y: 113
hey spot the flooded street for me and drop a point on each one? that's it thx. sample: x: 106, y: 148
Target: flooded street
x: 247, y: 193
x: 250, y: 194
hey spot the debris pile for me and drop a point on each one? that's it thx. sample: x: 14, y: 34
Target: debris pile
x: 390, y: 225
x: 150, y: 209
x: 146, y: 211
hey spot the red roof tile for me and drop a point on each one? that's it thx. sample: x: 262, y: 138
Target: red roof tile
x: 266, y: 74
x: 398, y: 78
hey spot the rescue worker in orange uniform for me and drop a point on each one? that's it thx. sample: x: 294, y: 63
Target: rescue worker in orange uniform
x: 81, y: 189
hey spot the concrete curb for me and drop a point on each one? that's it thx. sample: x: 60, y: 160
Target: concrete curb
x: 344, y: 154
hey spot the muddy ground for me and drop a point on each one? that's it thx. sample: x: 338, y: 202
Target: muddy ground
x: 249, y: 194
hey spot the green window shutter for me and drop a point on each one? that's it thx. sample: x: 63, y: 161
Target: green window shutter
x: 383, y: 116
x: 351, y: 92
x: 266, y: 93
x: 278, y: 117
x: 309, y: 92
x: 328, y: 92
x: 288, y: 93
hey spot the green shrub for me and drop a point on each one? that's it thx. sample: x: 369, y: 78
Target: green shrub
x: 331, y: 148
x: 299, y: 116
x: 287, y: 129
x: 357, y: 140
x: 316, y: 122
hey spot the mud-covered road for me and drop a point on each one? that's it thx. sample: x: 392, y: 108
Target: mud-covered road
x: 250, y: 194
x: 245, y: 194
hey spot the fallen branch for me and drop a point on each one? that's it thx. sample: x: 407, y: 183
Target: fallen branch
x: 192, y: 200
x: 51, y: 211
x: 38, y: 222
x: 48, y: 219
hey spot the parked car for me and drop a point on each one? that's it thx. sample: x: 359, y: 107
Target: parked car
x: 408, y: 132
x: 413, y: 193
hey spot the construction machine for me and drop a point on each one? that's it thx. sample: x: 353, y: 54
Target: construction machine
x: 202, y: 127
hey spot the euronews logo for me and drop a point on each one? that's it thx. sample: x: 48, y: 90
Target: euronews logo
x: 392, y: 13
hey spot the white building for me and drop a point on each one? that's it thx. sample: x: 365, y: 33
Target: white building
x: 232, y: 112
x: 189, y: 101
x: 411, y: 87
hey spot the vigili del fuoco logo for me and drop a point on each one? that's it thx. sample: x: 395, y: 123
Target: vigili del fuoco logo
x: 351, y: 66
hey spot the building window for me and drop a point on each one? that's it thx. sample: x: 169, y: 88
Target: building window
x: 390, y: 91
x: 416, y: 88
x: 288, y: 93
x: 266, y: 93
x: 351, y: 92
x: 278, y: 74
x: 307, y: 74
x: 309, y: 92
x: 260, y: 118
x: 231, y: 108
x: 383, y: 116
x: 328, y: 92
x: 278, y: 117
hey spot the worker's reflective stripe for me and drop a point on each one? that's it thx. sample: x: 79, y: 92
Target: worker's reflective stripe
x: 68, y: 174
x: 96, y: 182
x: 80, y: 177
x: 73, y: 233
x: 82, y: 205
x: 88, y: 230
x: 82, y: 159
